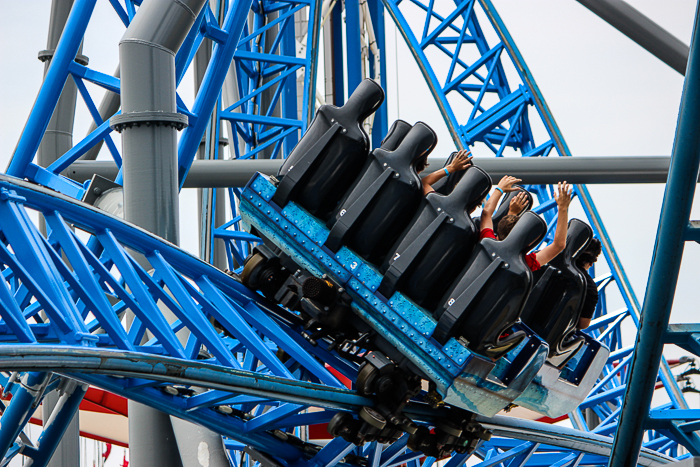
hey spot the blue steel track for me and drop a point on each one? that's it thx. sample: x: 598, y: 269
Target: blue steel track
x: 67, y: 296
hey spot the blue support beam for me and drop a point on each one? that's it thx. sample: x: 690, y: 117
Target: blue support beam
x: 211, y: 86
x: 51, y: 88
x: 675, y: 212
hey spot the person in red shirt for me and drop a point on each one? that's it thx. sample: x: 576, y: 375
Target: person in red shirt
x: 536, y: 259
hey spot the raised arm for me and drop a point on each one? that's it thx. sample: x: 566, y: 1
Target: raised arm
x: 563, y: 199
x: 461, y: 161
x: 504, y: 186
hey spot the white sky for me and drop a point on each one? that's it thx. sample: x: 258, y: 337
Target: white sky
x: 609, y: 96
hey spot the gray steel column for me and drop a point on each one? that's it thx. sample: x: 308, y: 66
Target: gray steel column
x: 149, y: 124
x: 57, y: 140
x: 199, y: 446
x: 149, y: 119
x: 328, y: 60
x: 205, y: 196
x: 633, y: 24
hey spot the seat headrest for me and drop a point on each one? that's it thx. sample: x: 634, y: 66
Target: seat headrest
x: 396, y: 134
x: 366, y: 98
x: 527, y: 232
x: 577, y: 237
x: 419, y: 142
x: 471, y: 188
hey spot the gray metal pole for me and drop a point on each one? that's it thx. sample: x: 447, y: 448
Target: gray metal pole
x: 533, y: 171
x: 674, y: 224
x: 205, y: 196
x: 149, y: 123
x: 149, y: 119
x: 633, y: 24
x: 57, y: 140
x: 199, y: 446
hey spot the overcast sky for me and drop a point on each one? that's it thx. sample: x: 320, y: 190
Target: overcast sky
x: 609, y: 96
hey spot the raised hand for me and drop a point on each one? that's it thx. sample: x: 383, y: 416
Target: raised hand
x: 563, y: 195
x: 518, y: 204
x: 461, y: 161
x: 507, y: 182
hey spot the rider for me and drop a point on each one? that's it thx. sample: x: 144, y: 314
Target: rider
x: 534, y: 260
x: 460, y: 162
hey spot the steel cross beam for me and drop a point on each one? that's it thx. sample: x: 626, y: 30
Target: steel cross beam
x: 533, y: 171
x: 673, y: 229
x: 633, y: 24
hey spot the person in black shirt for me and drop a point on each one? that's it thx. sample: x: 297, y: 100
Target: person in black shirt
x: 584, y: 261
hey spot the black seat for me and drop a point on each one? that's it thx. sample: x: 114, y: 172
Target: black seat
x: 554, y: 306
x: 331, y: 153
x: 487, y: 297
x: 437, y: 243
x: 502, y: 210
x: 384, y: 199
x: 398, y: 131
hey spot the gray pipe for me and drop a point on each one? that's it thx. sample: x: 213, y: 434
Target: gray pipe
x: 149, y: 119
x: 206, y: 196
x: 633, y: 24
x: 108, y: 107
x: 149, y: 123
x: 533, y: 171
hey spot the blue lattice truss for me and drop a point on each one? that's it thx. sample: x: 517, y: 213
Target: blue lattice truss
x: 72, y: 321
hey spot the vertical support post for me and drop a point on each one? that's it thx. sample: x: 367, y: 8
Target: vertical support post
x: 51, y: 88
x: 150, y: 121
x: 381, y: 119
x: 338, y: 60
x: 56, y: 141
x: 354, y: 44
x: 663, y: 277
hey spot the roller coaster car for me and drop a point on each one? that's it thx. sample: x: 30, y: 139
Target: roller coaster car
x: 486, y: 299
x: 437, y: 243
x: 330, y: 154
x: 553, y: 311
x: 394, y: 327
x: 384, y: 199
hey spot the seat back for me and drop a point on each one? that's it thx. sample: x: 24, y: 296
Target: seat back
x: 382, y: 207
x: 488, y: 295
x: 398, y: 131
x: 323, y: 184
x: 554, y: 306
x: 437, y: 243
